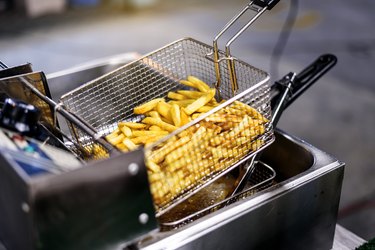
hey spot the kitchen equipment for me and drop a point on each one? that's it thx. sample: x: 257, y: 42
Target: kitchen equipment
x: 104, y: 102
x: 50, y: 201
x: 284, y: 93
x: 111, y: 98
x: 51, y: 204
x: 298, y: 211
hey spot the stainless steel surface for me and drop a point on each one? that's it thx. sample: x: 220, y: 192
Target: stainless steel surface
x: 308, y: 172
x: 346, y: 240
x: 262, y: 177
x: 66, y: 80
x: 300, y: 212
x: 343, y: 240
x: 100, y: 205
x: 111, y: 98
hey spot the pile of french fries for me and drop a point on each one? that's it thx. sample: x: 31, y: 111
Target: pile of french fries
x: 190, y: 157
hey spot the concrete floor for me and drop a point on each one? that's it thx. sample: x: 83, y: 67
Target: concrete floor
x: 336, y: 115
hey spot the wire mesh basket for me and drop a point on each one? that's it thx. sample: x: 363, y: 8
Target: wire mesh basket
x: 210, y: 199
x: 111, y: 98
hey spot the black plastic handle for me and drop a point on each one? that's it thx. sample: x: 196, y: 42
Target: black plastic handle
x: 305, y: 79
x: 266, y: 3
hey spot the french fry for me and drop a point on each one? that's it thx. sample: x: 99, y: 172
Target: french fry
x: 154, y: 114
x: 245, y: 123
x: 202, y: 86
x: 158, y: 155
x: 163, y: 109
x: 182, y: 103
x: 126, y: 131
x: 153, y: 139
x: 188, y: 83
x: 154, y: 128
x: 99, y: 152
x: 176, y: 96
x: 209, y: 125
x: 216, y: 141
x: 187, y: 147
x: 146, y: 139
x: 184, y: 117
x: 190, y: 94
x: 161, y: 124
x: 176, y: 116
x: 188, y: 132
x: 156, y: 176
x: 137, y: 133
x: 133, y: 125
x: 196, y: 115
x: 200, y: 102
x: 205, y: 109
x: 122, y: 147
x: 227, y: 125
x: 252, y: 112
x: 115, y: 140
x: 223, y: 152
x: 113, y: 135
x: 155, y: 168
x: 217, y: 117
x: 148, y: 106
x: 129, y: 144
x: 233, y: 111
x: 167, y: 120
x: 257, y: 144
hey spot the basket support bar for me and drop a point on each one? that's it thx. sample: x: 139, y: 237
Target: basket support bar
x: 230, y: 60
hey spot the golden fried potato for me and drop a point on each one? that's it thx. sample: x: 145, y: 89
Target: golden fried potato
x: 133, y: 125
x: 201, y: 85
x: 161, y: 124
x: 200, y: 102
x: 126, y: 131
x: 176, y: 96
x: 129, y: 144
x: 148, y: 106
x: 210, y: 145
x: 190, y: 94
x: 163, y: 109
x: 176, y: 115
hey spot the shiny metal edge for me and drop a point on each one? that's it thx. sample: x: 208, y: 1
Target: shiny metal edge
x: 111, y: 60
x: 323, y: 163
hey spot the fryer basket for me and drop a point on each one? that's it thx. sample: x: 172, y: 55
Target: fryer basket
x: 262, y: 178
x: 104, y: 102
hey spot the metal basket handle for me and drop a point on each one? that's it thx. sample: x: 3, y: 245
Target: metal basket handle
x: 259, y: 7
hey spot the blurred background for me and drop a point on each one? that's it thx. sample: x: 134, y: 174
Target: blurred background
x: 336, y: 115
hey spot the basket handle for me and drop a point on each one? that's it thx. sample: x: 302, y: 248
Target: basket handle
x: 258, y: 6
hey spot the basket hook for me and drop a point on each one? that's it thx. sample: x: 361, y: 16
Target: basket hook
x: 258, y: 6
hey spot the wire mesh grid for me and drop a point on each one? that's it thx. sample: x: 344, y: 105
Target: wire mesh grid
x: 262, y: 178
x: 111, y: 98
